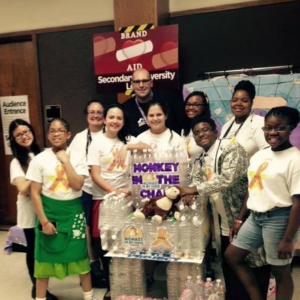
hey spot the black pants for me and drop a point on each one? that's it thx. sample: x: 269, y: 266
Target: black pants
x: 30, y: 239
x: 234, y: 288
x: 104, y: 260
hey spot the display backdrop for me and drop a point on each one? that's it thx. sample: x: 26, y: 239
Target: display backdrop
x: 271, y: 90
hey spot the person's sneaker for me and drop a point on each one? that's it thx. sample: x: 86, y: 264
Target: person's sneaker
x: 272, y: 287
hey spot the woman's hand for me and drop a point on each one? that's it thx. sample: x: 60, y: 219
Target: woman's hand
x: 234, y: 230
x: 120, y: 157
x: 62, y: 156
x: 285, y: 249
x: 125, y: 191
x: 49, y: 229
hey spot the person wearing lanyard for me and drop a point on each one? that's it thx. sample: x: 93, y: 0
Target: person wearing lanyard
x: 274, y: 203
x: 137, y: 106
x: 221, y: 174
x: 244, y: 126
x: 81, y: 142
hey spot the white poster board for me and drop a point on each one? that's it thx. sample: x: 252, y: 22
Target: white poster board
x: 12, y: 107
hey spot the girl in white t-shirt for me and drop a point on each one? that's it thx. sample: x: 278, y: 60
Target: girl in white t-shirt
x: 24, y: 147
x: 159, y: 136
x: 57, y: 175
x: 274, y: 204
x: 108, y: 158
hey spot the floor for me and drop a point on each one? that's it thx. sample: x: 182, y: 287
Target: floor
x: 15, y: 283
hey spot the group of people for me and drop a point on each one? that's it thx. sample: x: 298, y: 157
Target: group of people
x: 64, y: 186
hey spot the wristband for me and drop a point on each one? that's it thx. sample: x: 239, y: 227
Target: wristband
x: 45, y: 223
x: 238, y: 218
x: 238, y: 221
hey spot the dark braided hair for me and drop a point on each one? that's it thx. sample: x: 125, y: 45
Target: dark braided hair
x: 63, y: 121
x: 285, y: 112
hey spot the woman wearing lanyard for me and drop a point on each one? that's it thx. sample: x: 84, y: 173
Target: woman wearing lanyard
x: 81, y: 142
x: 245, y: 126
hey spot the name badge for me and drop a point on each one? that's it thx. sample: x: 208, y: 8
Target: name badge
x: 141, y: 122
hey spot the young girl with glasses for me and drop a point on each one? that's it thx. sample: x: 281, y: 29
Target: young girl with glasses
x: 274, y: 204
x: 57, y: 175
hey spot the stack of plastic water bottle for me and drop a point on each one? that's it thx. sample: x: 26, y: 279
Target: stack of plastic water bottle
x: 113, y: 213
x: 127, y: 278
x: 199, y: 290
x: 193, y: 229
x: 177, y: 275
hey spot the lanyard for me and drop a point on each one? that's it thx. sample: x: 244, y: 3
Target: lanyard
x: 141, y: 111
x: 88, y: 141
x: 228, y: 130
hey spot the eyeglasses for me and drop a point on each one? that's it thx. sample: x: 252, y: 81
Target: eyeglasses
x: 203, y: 130
x: 143, y: 81
x: 59, y: 131
x: 194, y: 104
x: 93, y: 113
x: 20, y: 135
x: 276, y: 129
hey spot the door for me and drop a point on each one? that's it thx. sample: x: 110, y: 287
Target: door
x: 18, y: 76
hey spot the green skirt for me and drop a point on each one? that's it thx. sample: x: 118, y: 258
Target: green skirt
x: 64, y: 253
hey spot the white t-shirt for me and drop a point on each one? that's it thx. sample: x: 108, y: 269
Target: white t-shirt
x: 25, y: 212
x: 79, y: 144
x: 194, y: 151
x: 163, y: 142
x: 249, y: 134
x: 102, y: 153
x: 45, y: 168
x: 274, y: 177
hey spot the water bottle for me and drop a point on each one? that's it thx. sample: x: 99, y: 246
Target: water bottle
x: 199, y: 289
x: 208, y: 288
x: 197, y: 243
x: 188, y: 292
x: 219, y: 289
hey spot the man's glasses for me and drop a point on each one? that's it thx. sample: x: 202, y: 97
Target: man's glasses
x: 58, y: 132
x: 203, y: 130
x: 93, y: 113
x: 143, y: 81
x: 194, y: 104
x: 276, y: 128
x: 24, y: 133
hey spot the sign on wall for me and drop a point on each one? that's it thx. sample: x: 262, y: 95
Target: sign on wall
x: 12, y: 107
x: 118, y: 54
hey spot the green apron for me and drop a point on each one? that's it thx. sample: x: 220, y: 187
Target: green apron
x: 69, y: 244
